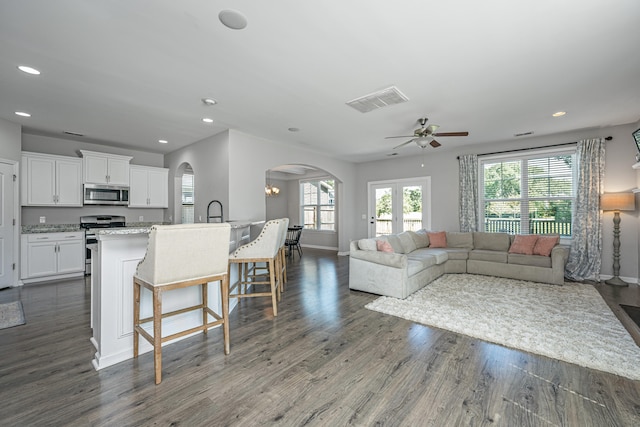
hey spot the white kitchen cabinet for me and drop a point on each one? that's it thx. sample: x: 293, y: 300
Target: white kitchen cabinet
x: 148, y: 187
x: 49, y: 180
x: 102, y: 168
x: 48, y: 256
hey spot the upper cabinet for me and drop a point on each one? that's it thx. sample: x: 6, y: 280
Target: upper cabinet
x: 102, y: 168
x: 148, y: 187
x: 49, y: 180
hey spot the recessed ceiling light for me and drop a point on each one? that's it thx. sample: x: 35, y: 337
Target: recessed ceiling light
x: 559, y: 114
x: 207, y: 120
x: 294, y: 130
x: 163, y: 141
x: 23, y: 114
x: 28, y: 70
x: 232, y: 19
x: 209, y: 101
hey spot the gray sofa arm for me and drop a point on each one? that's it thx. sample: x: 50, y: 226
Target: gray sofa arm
x: 384, y: 258
x: 559, y: 256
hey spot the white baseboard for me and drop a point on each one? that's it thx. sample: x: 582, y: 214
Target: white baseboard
x: 328, y: 248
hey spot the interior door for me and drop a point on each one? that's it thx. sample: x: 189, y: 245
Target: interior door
x: 397, y: 206
x: 7, y: 208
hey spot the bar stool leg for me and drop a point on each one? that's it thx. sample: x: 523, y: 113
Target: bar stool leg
x: 136, y: 317
x: 205, y: 304
x: 157, y: 333
x: 224, y: 294
x: 274, y: 287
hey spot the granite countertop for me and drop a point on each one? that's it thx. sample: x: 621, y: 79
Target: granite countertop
x: 143, y: 229
x: 130, y: 228
x: 50, y: 228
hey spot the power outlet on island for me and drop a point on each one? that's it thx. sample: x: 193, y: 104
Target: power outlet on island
x: 141, y: 218
x: 43, y: 219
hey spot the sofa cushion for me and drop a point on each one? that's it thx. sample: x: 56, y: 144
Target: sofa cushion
x: 441, y: 256
x: 523, y: 244
x: 488, y: 255
x: 491, y: 241
x: 420, y: 238
x: 545, y: 244
x: 416, y: 265
x: 408, y: 245
x: 532, y: 260
x: 457, y: 253
x: 367, y: 245
x: 457, y: 239
x: 394, y: 241
x: 438, y: 239
x: 384, y: 246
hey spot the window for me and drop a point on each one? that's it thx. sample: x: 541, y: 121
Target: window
x: 531, y: 194
x: 187, y: 198
x: 317, y: 204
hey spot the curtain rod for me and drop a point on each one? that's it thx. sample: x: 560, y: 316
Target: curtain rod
x: 608, y: 138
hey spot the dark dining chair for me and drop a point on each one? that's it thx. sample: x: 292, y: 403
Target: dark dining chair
x: 293, y: 239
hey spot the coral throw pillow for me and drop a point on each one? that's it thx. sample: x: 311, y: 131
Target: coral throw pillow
x: 437, y: 240
x: 523, y: 244
x: 545, y: 244
x: 384, y: 246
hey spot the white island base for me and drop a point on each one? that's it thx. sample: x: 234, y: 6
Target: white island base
x: 114, y: 261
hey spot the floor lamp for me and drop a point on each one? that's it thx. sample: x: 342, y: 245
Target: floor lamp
x: 617, y: 202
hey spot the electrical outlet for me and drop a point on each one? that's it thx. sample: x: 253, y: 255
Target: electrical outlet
x: 141, y: 218
x: 170, y: 218
x: 43, y: 219
x: 200, y: 218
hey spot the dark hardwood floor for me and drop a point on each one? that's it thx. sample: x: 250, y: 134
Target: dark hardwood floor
x: 325, y: 361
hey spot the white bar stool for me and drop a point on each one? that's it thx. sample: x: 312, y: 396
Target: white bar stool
x: 179, y: 256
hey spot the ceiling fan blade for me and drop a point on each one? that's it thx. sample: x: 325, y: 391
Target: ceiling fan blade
x: 402, y: 136
x: 403, y: 144
x: 451, y: 134
x: 435, y: 144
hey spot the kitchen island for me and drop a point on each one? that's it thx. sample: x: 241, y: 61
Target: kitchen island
x: 115, y: 258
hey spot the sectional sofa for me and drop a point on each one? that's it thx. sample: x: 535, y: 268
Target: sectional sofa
x: 398, y: 265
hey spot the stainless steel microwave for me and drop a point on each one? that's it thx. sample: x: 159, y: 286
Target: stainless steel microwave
x: 95, y: 194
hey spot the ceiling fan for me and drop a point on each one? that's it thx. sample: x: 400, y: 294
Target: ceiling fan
x: 424, y: 135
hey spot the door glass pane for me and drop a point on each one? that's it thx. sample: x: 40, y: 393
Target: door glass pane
x: 412, y: 208
x: 384, y: 211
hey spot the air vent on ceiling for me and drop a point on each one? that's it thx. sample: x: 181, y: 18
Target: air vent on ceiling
x: 73, y: 133
x: 523, y: 133
x: 382, y: 98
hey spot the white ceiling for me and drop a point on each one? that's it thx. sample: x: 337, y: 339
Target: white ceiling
x: 130, y: 72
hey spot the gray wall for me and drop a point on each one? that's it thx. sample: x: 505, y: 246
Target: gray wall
x: 10, y: 140
x: 209, y: 159
x: 441, y: 164
x: 231, y: 167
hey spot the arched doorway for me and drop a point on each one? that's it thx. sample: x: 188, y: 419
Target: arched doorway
x: 307, y: 196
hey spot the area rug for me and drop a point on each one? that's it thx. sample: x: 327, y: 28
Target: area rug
x: 11, y: 314
x: 571, y: 323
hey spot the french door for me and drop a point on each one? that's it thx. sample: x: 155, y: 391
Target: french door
x: 400, y: 205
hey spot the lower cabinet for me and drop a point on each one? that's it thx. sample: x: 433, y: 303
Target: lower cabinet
x: 48, y: 256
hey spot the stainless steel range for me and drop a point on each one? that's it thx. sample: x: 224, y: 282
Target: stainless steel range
x: 90, y: 223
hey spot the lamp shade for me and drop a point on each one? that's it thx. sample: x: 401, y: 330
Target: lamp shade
x: 618, y: 202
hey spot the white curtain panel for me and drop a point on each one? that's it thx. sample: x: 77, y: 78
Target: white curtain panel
x: 468, y: 192
x: 586, y: 248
